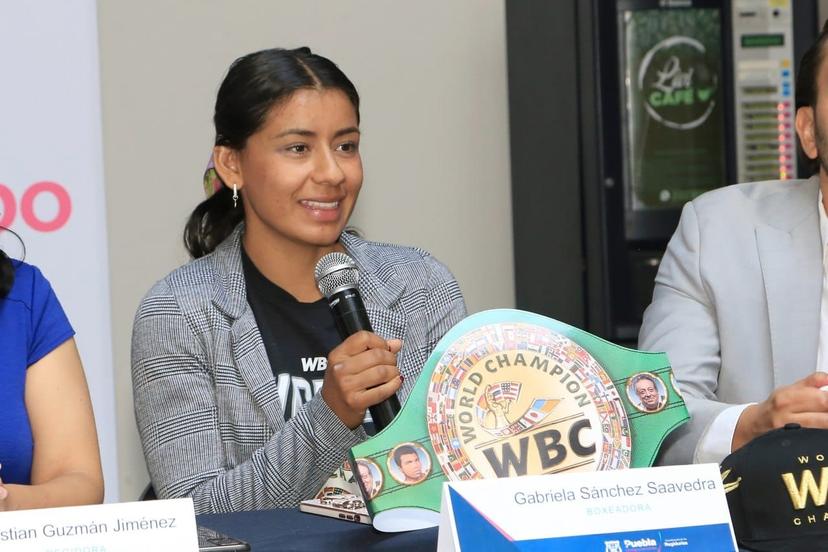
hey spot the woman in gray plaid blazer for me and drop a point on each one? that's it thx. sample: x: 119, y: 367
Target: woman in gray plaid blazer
x: 287, y: 172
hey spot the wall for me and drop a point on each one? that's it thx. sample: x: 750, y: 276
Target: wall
x: 432, y: 76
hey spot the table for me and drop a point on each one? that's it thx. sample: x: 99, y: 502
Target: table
x: 292, y: 530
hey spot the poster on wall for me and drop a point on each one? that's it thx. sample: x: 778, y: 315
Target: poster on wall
x: 51, y: 178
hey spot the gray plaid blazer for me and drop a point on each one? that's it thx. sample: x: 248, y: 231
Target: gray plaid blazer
x: 206, y: 401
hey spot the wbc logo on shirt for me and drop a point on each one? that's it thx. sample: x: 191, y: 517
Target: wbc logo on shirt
x: 520, y: 399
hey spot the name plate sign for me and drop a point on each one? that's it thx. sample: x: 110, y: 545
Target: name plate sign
x: 670, y: 508
x: 128, y: 526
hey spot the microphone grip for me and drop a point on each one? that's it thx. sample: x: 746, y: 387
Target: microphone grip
x: 349, y: 313
x: 383, y: 414
x: 350, y: 317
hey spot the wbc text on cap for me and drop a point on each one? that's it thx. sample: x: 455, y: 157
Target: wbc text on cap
x: 777, y: 489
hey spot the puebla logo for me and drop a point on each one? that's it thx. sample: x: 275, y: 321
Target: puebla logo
x: 678, y: 83
x: 520, y: 399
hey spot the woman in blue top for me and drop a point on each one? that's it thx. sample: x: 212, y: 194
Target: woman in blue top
x: 48, y: 444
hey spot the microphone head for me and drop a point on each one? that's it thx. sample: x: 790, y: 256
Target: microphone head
x: 335, y: 272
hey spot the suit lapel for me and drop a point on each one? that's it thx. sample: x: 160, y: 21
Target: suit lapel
x: 790, y: 254
x: 380, y: 291
x: 246, y: 342
x: 251, y: 360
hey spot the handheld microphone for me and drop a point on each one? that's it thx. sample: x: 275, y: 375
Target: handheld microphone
x: 337, y: 278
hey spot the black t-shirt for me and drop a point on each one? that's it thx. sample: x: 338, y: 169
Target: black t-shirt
x: 297, y: 337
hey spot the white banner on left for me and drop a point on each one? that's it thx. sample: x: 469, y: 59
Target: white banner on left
x: 51, y: 178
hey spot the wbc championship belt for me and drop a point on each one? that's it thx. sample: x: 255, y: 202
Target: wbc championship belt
x: 508, y: 393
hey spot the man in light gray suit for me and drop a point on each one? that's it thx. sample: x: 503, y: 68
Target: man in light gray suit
x: 740, y: 304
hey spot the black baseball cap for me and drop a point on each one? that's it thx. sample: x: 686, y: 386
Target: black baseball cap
x: 777, y: 488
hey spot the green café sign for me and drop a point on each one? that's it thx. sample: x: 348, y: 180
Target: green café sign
x: 678, y: 82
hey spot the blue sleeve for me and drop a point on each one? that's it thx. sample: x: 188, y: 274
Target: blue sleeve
x: 50, y: 327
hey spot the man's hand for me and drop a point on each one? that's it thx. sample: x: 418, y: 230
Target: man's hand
x: 803, y: 403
